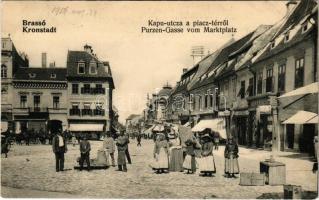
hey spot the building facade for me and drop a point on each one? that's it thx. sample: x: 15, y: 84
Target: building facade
x: 90, y: 88
x: 11, y: 61
x: 39, y: 99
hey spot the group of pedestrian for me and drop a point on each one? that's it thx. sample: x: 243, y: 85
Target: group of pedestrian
x: 59, y: 146
x: 197, y: 154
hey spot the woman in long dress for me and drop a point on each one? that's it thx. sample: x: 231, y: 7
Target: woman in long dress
x: 231, y: 158
x: 207, y: 163
x: 192, y: 145
x: 161, y: 153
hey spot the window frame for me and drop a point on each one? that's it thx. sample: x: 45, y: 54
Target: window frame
x: 4, y: 71
x: 36, y: 104
x: 300, y: 71
x: 56, y: 104
x: 23, y: 104
x: 81, y: 64
x: 77, y: 88
x: 282, y: 77
x: 269, y: 79
x: 93, y: 65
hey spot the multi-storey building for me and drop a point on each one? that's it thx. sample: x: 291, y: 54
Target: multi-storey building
x: 90, y: 87
x: 39, y: 99
x: 266, y: 80
x: 288, y: 63
x: 179, y: 106
x: 11, y: 61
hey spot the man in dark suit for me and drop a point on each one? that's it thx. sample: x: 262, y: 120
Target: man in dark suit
x: 59, y: 149
x: 127, y: 153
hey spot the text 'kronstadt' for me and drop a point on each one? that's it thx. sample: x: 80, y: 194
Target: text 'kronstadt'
x: 196, y: 26
x: 37, y: 27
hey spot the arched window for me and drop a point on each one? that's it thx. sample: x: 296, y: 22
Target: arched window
x: 4, y: 71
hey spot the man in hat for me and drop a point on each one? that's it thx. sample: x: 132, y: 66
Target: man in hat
x: 109, y: 147
x: 59, y: 148
x: 85, y: 149
x: 127, y: 153
x: 121, y: 148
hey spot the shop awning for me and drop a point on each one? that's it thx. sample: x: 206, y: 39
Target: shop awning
x: 4, y: 126
x: 86, y: 127
x: 213, y: 124
x: 314, y: 120
x: 301, y: 117
x: 308, y: 89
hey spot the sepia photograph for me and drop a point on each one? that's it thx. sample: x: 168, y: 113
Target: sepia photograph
x: 159, y: 99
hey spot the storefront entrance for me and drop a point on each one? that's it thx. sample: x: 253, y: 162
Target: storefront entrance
x: 306, y: 139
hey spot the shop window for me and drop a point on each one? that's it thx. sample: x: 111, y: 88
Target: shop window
x: 281, y: 77
x: 299, y: 72
x: 269, y: 80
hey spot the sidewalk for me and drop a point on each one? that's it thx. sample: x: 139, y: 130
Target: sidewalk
x: 298, y: 169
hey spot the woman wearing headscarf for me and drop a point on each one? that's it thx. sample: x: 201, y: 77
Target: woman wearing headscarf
x: 161, y: 153
x: 207, y: 163
x: 231, y: 158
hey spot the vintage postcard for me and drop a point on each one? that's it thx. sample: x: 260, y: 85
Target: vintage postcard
x: 159, y: 99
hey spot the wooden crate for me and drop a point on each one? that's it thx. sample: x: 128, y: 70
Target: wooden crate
x: 292, y: 192
x: 275, y: 172
x: 252, y: 179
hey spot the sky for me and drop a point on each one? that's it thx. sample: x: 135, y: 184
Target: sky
x: 141, y: 63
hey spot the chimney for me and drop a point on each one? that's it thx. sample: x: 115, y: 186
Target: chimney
x: 184, y: 70
x: 52, y: 65
x: 291, y: 4
x: 44, y: 60
x: 88, y: 49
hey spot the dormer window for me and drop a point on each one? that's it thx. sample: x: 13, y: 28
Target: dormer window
x: 81, y: 68
x: 32, y: 75
x: 286, y: 37
x: 93, y: 68
x: 53, y: 75
x: 304, y: 27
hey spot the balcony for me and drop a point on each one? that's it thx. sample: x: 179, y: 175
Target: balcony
x: 99, y: 112
x: 93, y: 91
x: 38, y: 109
x: 75, y: 112
x: 86, y: 112
x: 269, y: 98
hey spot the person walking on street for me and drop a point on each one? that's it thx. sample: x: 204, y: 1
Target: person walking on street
x: 73, y: 140
x: 127, y: 153
x: 85, y: 149
x: 121, y: 148
x: 59, y: 149
x: 109, y: 147
x: 216, y: 139
x: 139, y: 138
x: 231, y: 158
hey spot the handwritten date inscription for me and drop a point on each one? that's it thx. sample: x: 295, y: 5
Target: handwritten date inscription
x: 67, y: 10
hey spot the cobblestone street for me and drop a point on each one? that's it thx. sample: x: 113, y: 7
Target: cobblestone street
x: 31, y: 169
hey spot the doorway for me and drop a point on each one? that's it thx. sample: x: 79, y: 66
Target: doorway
x: 290, y: 129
